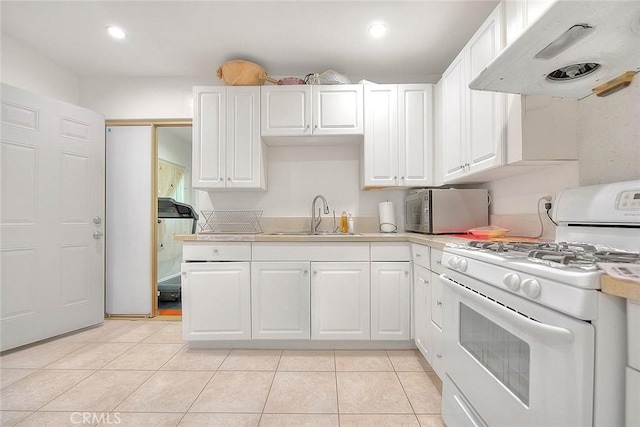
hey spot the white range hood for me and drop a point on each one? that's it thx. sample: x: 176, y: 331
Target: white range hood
x: 600, y: 32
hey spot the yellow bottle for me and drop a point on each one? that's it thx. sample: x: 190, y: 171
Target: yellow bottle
x: 344, y: 227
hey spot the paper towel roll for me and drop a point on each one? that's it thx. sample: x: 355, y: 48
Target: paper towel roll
x: 387, y: 217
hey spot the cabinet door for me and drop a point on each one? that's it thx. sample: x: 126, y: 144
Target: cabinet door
x: 209, y: 136
x: 390, y: 300
x: 340, y: 306
x: 485, y: 110
x: 285, y: 110
x: 437, y: 293
x: 453, y: 121
x: 244, y: 146
x: 280, y: 300
x: 216, y: 298
x: 337, y: 110
x: 422, y: 310
x: 380, y: 136
x: 415, y: 135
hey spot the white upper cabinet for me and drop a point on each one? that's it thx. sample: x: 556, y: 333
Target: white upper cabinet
x: 415, y: 134
x: 209, y: 136
x: 285, y: 110
x: 337, y: 110
x: 381, y: 136
x: 453, y: 102
x: 485, y: 110
x: 481, y: 136
x: 227, y: 148
x: 301, y: 110
x: 472, y: 121
x: 398, y: 136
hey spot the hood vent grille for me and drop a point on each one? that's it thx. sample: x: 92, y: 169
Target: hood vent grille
x: 572, y: 72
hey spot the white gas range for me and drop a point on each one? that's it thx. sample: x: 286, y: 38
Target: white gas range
x: 529, y: 339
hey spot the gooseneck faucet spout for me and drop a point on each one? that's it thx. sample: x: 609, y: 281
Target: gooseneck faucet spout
x: 315, y: 221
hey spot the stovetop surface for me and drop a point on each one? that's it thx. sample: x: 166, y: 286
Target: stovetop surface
x: 561, y: 255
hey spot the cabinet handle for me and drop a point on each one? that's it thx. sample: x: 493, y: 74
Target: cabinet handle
x: 306, y: 272
x: 315, y: 272
x: 406, y: 273
x: 439, y: 356
x: 439, y: 262
x: 395, y: 178
x: 307, y: 127
x: 315, y: 126
x: 418, y: 255
x: 439, y: 303
x: 215, y: 251
x: 184, y: 273
x: 402, y: 178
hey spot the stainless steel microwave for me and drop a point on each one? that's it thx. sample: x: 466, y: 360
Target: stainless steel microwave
x: 446, y: 211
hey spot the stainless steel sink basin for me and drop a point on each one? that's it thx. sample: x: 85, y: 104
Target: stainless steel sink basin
x: 309, y: 233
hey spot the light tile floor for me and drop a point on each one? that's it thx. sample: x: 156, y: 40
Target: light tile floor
x: 140, y: 373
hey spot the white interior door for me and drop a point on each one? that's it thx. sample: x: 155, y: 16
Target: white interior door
x: 51, y: 217
x: 129, y: 219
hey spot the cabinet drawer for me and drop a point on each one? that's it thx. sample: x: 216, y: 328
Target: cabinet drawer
x: 392, y: 251
x: 436, y: 261
x: 227, y: 251
x: 420, y: 255
x: 311, y: 251
x: 437, y: 291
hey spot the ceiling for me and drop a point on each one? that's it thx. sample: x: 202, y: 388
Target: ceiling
x: 291, y: 38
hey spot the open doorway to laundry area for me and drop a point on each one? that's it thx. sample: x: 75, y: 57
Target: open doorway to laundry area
x: 173, y: 188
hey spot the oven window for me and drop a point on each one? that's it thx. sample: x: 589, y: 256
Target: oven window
x: 499, y: 351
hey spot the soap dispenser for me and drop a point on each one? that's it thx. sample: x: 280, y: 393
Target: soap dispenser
x: 344, y: 227
x: 350, y: 225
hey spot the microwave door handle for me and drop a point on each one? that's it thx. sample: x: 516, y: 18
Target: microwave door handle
x: 542, y: 332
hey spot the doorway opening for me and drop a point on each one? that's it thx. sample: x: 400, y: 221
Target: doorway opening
x: 173, y: 182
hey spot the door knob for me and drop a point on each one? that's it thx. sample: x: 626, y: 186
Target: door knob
x: 97, y: 235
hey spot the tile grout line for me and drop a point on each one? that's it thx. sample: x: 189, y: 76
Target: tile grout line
x: 335, y: 374
x: 270, y: 387
x: 404, y: 390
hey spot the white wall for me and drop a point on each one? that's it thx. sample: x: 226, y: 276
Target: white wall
x: 609, y: 135
x: 609, y: 144
x: 142, y: 97
x: 25, y: 68
x: 297, y: 174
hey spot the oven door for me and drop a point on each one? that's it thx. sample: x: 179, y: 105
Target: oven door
x: 513, y: 362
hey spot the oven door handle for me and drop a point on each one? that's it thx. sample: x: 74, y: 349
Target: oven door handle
x: 552, y: 335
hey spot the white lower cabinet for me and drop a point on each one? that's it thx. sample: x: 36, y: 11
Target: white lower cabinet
x: 340, y: 308
x: 390, y: 300
x: 422, y: 310
x: 217, y: 301
x: 280, y: 300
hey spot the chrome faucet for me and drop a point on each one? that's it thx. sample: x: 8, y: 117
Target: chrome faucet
x: 315, y: 222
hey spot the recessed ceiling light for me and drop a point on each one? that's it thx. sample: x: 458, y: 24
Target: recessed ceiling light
x: 116, y: 32
x: 377, y: 30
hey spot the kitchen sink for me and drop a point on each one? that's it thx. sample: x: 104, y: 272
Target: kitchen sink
x: 309, y: 233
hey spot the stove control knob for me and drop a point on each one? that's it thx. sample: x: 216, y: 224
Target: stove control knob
x: 531, y: 288
x: 454, y: 262
x: 512, y: 281
x: 462, y: 265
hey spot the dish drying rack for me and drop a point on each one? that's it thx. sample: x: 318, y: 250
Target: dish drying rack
x: 231, y: 222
